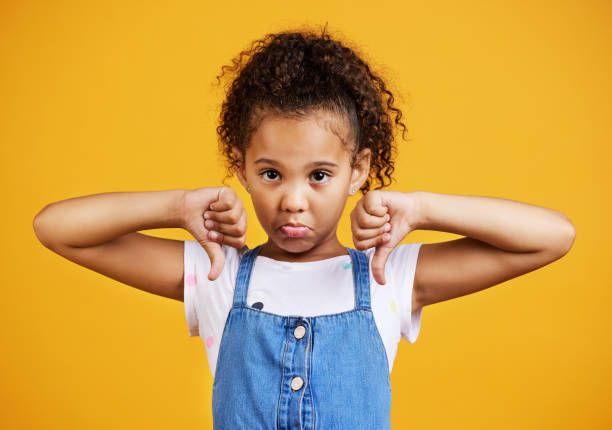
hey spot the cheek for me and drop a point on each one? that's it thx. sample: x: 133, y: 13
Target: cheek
x: 330, y: 207
x: 264, y: 209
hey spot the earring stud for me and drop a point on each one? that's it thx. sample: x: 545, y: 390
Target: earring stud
x: 353, y: 191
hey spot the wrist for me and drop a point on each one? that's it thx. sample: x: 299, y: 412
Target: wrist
x: 421, y: 217
x: 176, y: 210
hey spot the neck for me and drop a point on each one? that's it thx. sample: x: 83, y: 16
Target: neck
x: 321, y: 251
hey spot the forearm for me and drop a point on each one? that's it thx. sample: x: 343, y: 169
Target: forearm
x: 98, y: 218
x: 506, y: 224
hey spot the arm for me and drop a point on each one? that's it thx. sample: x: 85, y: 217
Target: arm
x: 100, y: 232
x: 504, y: 239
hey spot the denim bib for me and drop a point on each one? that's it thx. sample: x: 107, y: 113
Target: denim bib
x: 328, y: 372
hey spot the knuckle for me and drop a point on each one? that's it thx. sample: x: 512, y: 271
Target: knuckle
x: 233, y: 217
x: 371, y: 200
x: 367, y: 244
x: 365, y: 219
x: 362, y: 235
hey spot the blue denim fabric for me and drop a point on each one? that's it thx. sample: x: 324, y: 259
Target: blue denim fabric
x: 341, y: 359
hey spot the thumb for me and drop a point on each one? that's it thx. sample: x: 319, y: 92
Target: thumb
x: 217, y: 258
x: 212, y: 248
x: 379, y: 260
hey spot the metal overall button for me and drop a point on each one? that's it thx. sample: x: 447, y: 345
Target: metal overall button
x: 299, y: 332
x: 296, y: 383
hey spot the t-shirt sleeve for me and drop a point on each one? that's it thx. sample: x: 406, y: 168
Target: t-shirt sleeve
x: 403, y: 260
x: 207, y: 303
x: 190, y: 281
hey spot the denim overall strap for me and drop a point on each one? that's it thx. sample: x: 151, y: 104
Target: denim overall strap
x: 362, y: 279
x: 244, y: 275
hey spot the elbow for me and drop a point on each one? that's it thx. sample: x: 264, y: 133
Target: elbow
x: 37, y: 227
x: 571, y: 237
x: 566, y: 239
x: 40, y: 230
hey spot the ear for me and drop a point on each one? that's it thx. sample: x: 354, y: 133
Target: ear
x: 240, y: 169
x: 361, y: 169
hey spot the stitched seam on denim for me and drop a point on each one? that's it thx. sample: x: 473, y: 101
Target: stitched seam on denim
x: 357, y: 276
x: 312, y: 402
x: 280, y: 395
x: 312, y: 411
x: 245, y: 278
x: 362, y: 280
x: 356, y: 289
x: 305, y: 381
x: 239, y: 277
x: 365, y: 291
x: 381, y: 344
x: 366, y: 280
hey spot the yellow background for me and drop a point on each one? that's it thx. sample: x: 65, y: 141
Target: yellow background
x: 505, y: 99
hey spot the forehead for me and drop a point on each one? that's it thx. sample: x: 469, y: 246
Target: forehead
x: 315, y: 137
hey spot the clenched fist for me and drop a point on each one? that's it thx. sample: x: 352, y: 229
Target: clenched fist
x: 382, y: 219
x: 214, y: 216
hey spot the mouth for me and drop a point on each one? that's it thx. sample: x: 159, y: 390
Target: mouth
x: 294, y: 230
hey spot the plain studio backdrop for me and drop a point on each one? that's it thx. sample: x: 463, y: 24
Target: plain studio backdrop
x: 503, y: 99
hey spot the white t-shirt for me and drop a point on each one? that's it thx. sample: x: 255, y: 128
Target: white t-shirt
x: 305, y: 289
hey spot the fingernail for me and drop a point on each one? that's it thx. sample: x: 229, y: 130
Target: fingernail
x: 206, y: 215
x: 213, y: 234
x: 387, y: 227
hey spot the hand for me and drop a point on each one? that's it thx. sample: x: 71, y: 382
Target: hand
x: 382, y: 219
x: 214, y: 216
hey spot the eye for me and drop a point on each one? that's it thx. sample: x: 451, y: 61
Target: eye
x: 319, y: 175
x: 267, y: 173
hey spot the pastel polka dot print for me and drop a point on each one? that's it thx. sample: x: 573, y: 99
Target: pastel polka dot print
x: 393, y: 307
x: 209, y: 341
x: 346, y: 265
x: 191, y: 280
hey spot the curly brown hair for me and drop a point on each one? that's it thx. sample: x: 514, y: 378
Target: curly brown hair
x: 295, y: 73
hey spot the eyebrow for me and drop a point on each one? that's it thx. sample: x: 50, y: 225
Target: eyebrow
x: 313, y: 164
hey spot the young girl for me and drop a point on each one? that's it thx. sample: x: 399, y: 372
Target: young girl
x: 301, y: 332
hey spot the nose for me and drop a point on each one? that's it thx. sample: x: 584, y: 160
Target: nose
x: 294, y: 198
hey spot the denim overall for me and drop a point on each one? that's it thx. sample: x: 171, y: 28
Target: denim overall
x: 301, y: 373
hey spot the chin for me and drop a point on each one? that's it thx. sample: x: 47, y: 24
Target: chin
x: 294, y: 245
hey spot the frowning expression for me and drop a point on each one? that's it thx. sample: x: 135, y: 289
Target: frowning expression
x: 300, y: 176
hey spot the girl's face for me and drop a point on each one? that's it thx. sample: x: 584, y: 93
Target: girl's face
x: 298, y: 172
